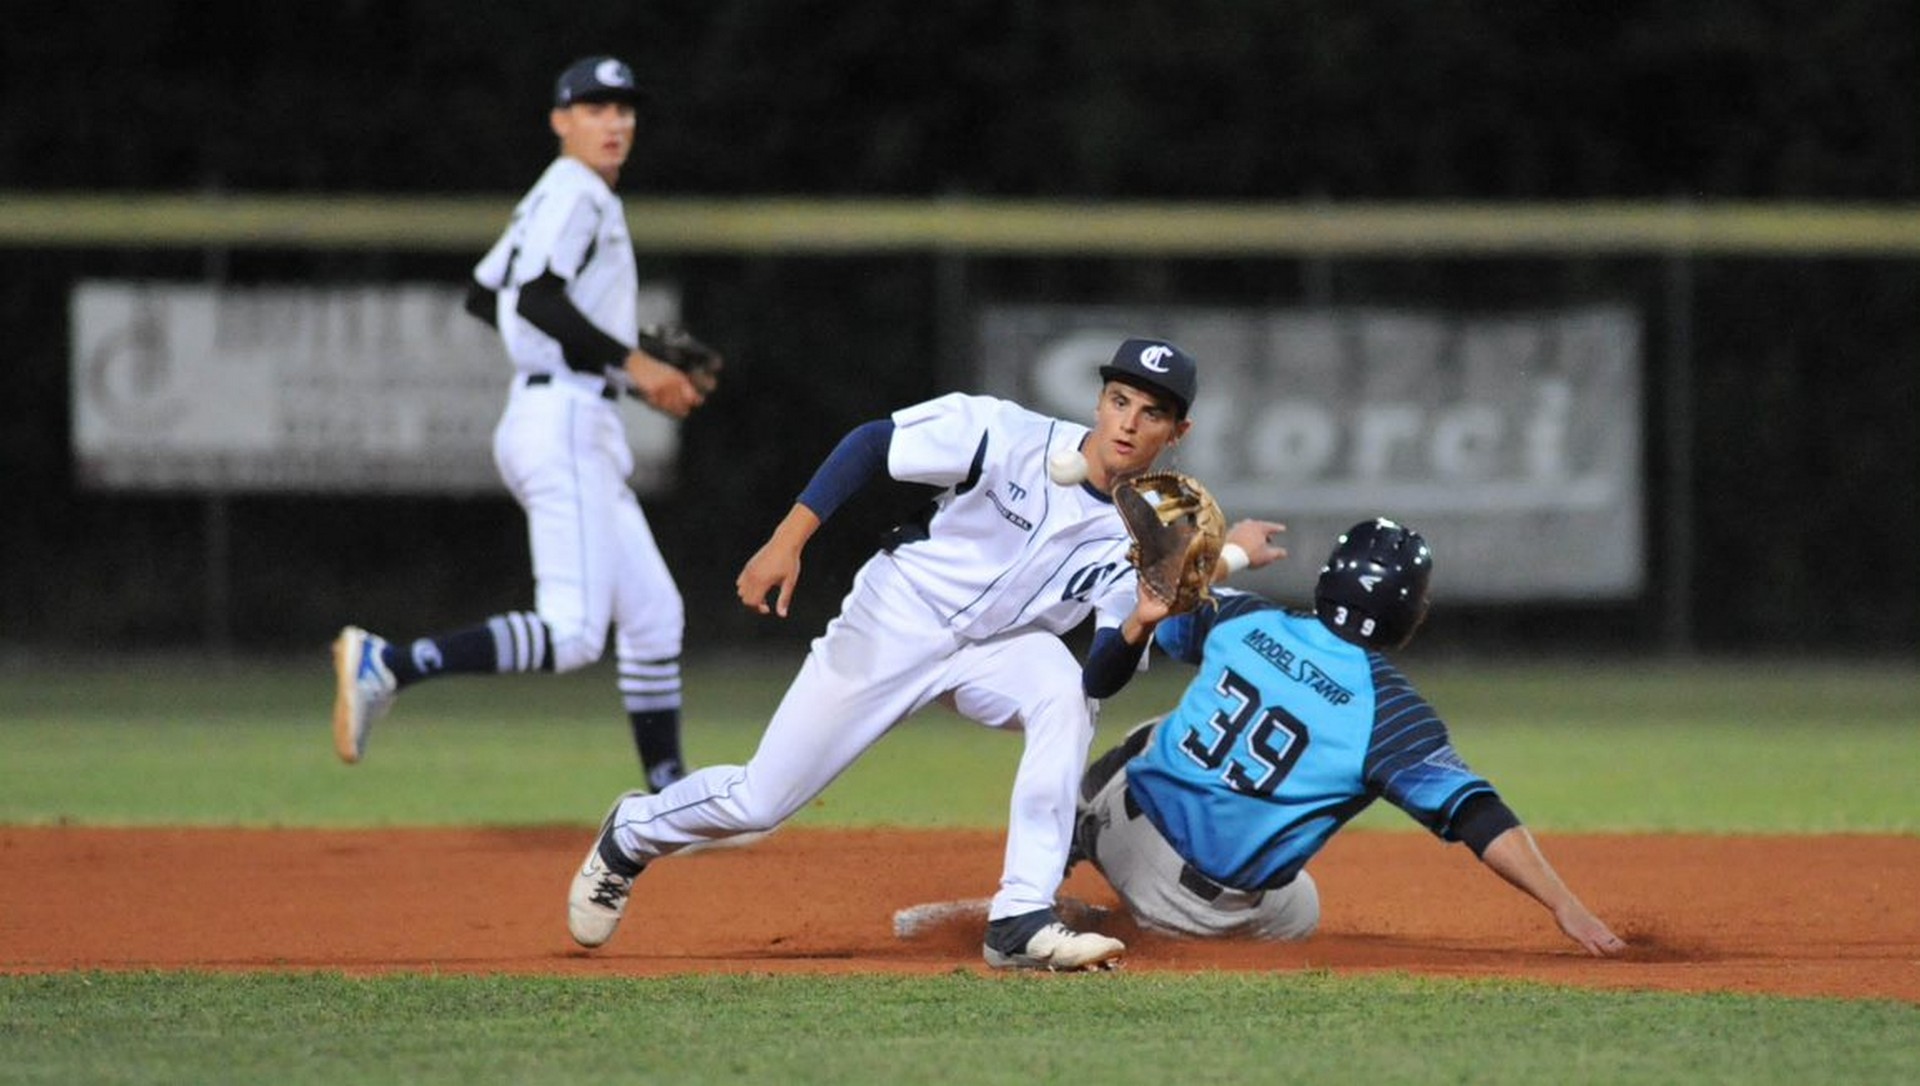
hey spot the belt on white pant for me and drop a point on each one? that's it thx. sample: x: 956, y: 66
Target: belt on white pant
x: 537, y: 380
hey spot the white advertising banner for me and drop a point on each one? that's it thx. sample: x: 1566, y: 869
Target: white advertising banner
x: 1511, y: 441
x: 389, y: 388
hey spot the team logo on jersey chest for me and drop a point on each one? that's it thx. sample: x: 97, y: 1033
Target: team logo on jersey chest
x: 1086, y: 579
x: 1012, y: 517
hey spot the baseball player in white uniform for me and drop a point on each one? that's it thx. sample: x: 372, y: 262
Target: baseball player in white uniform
x: 561, y: 287
x: 965, y: 608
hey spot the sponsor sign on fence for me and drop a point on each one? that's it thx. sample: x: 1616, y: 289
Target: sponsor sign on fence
x: 1512, y: 440
x: 391, y: 388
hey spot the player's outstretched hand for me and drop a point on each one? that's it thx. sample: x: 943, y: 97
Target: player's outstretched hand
x: 1256, y: 538
x: 1589, y: 931
x: 665, y: 389
x: 776, y: 565
x: 772, y: 567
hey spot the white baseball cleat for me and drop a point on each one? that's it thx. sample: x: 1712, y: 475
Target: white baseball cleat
x: 602, y: 886
x: 1058, y: 948
x: 364, y: 690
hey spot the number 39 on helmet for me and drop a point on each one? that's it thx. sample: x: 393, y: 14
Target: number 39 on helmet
x: 1373, y: 589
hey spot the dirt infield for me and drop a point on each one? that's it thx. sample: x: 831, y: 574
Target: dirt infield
x: 1825, y: 916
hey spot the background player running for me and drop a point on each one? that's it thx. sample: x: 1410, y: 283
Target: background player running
x: 965, y: 608
x: 561, y: 286
x: 1204, y: 820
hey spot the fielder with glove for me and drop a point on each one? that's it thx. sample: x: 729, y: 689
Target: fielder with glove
x: 562, y: 289
x: 965, y: 606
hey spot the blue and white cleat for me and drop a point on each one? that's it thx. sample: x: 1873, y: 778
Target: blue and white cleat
x: 364, y: 690
x: 597, y: 899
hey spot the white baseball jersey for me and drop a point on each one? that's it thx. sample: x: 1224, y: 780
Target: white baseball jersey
x: 572, y: 224
x: 561, y: 446
x: 968, y: 616
x: 1007, y: 548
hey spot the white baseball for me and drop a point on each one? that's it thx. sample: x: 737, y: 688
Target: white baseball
x: 1067, y: 467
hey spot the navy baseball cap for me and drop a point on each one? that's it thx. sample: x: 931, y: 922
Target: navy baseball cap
x: 596, y: 79
x: 1158, y: 366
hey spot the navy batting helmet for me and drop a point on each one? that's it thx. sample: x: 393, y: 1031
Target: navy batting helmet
x: 1373, y: 589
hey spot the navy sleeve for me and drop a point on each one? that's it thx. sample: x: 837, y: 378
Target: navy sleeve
x: 860, y: 456
x: 1110, y: 663
x: 1482, y: 817
x: 545, y: 305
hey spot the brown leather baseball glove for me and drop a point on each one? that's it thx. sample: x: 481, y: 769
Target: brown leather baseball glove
x: 1177, y: 530
x: 676, y: 346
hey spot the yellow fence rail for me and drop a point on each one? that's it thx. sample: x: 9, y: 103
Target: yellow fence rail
x: 980, y: 226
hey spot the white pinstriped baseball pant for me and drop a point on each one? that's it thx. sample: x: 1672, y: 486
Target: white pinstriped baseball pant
x: 885, y: 657
x: 562, y: 451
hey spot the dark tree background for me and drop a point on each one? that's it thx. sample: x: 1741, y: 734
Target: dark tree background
x: 1806, y: 502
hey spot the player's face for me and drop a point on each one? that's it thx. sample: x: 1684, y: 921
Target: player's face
x: 599, y: 134
x: 1131, y: 427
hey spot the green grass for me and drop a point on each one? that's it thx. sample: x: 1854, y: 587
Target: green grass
x: 1724, y: 748
x: 958, y: 1027
x: 1777, y: 747
x: 1784, y: 748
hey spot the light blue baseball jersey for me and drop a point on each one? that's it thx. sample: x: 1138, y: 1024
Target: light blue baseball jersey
x: 1286, y: 733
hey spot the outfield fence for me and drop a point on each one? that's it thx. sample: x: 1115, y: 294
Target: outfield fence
x: 1777, y: 340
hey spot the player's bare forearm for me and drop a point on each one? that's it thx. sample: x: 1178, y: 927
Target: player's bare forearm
x: 774, y: 569
x: 1516, y: 857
